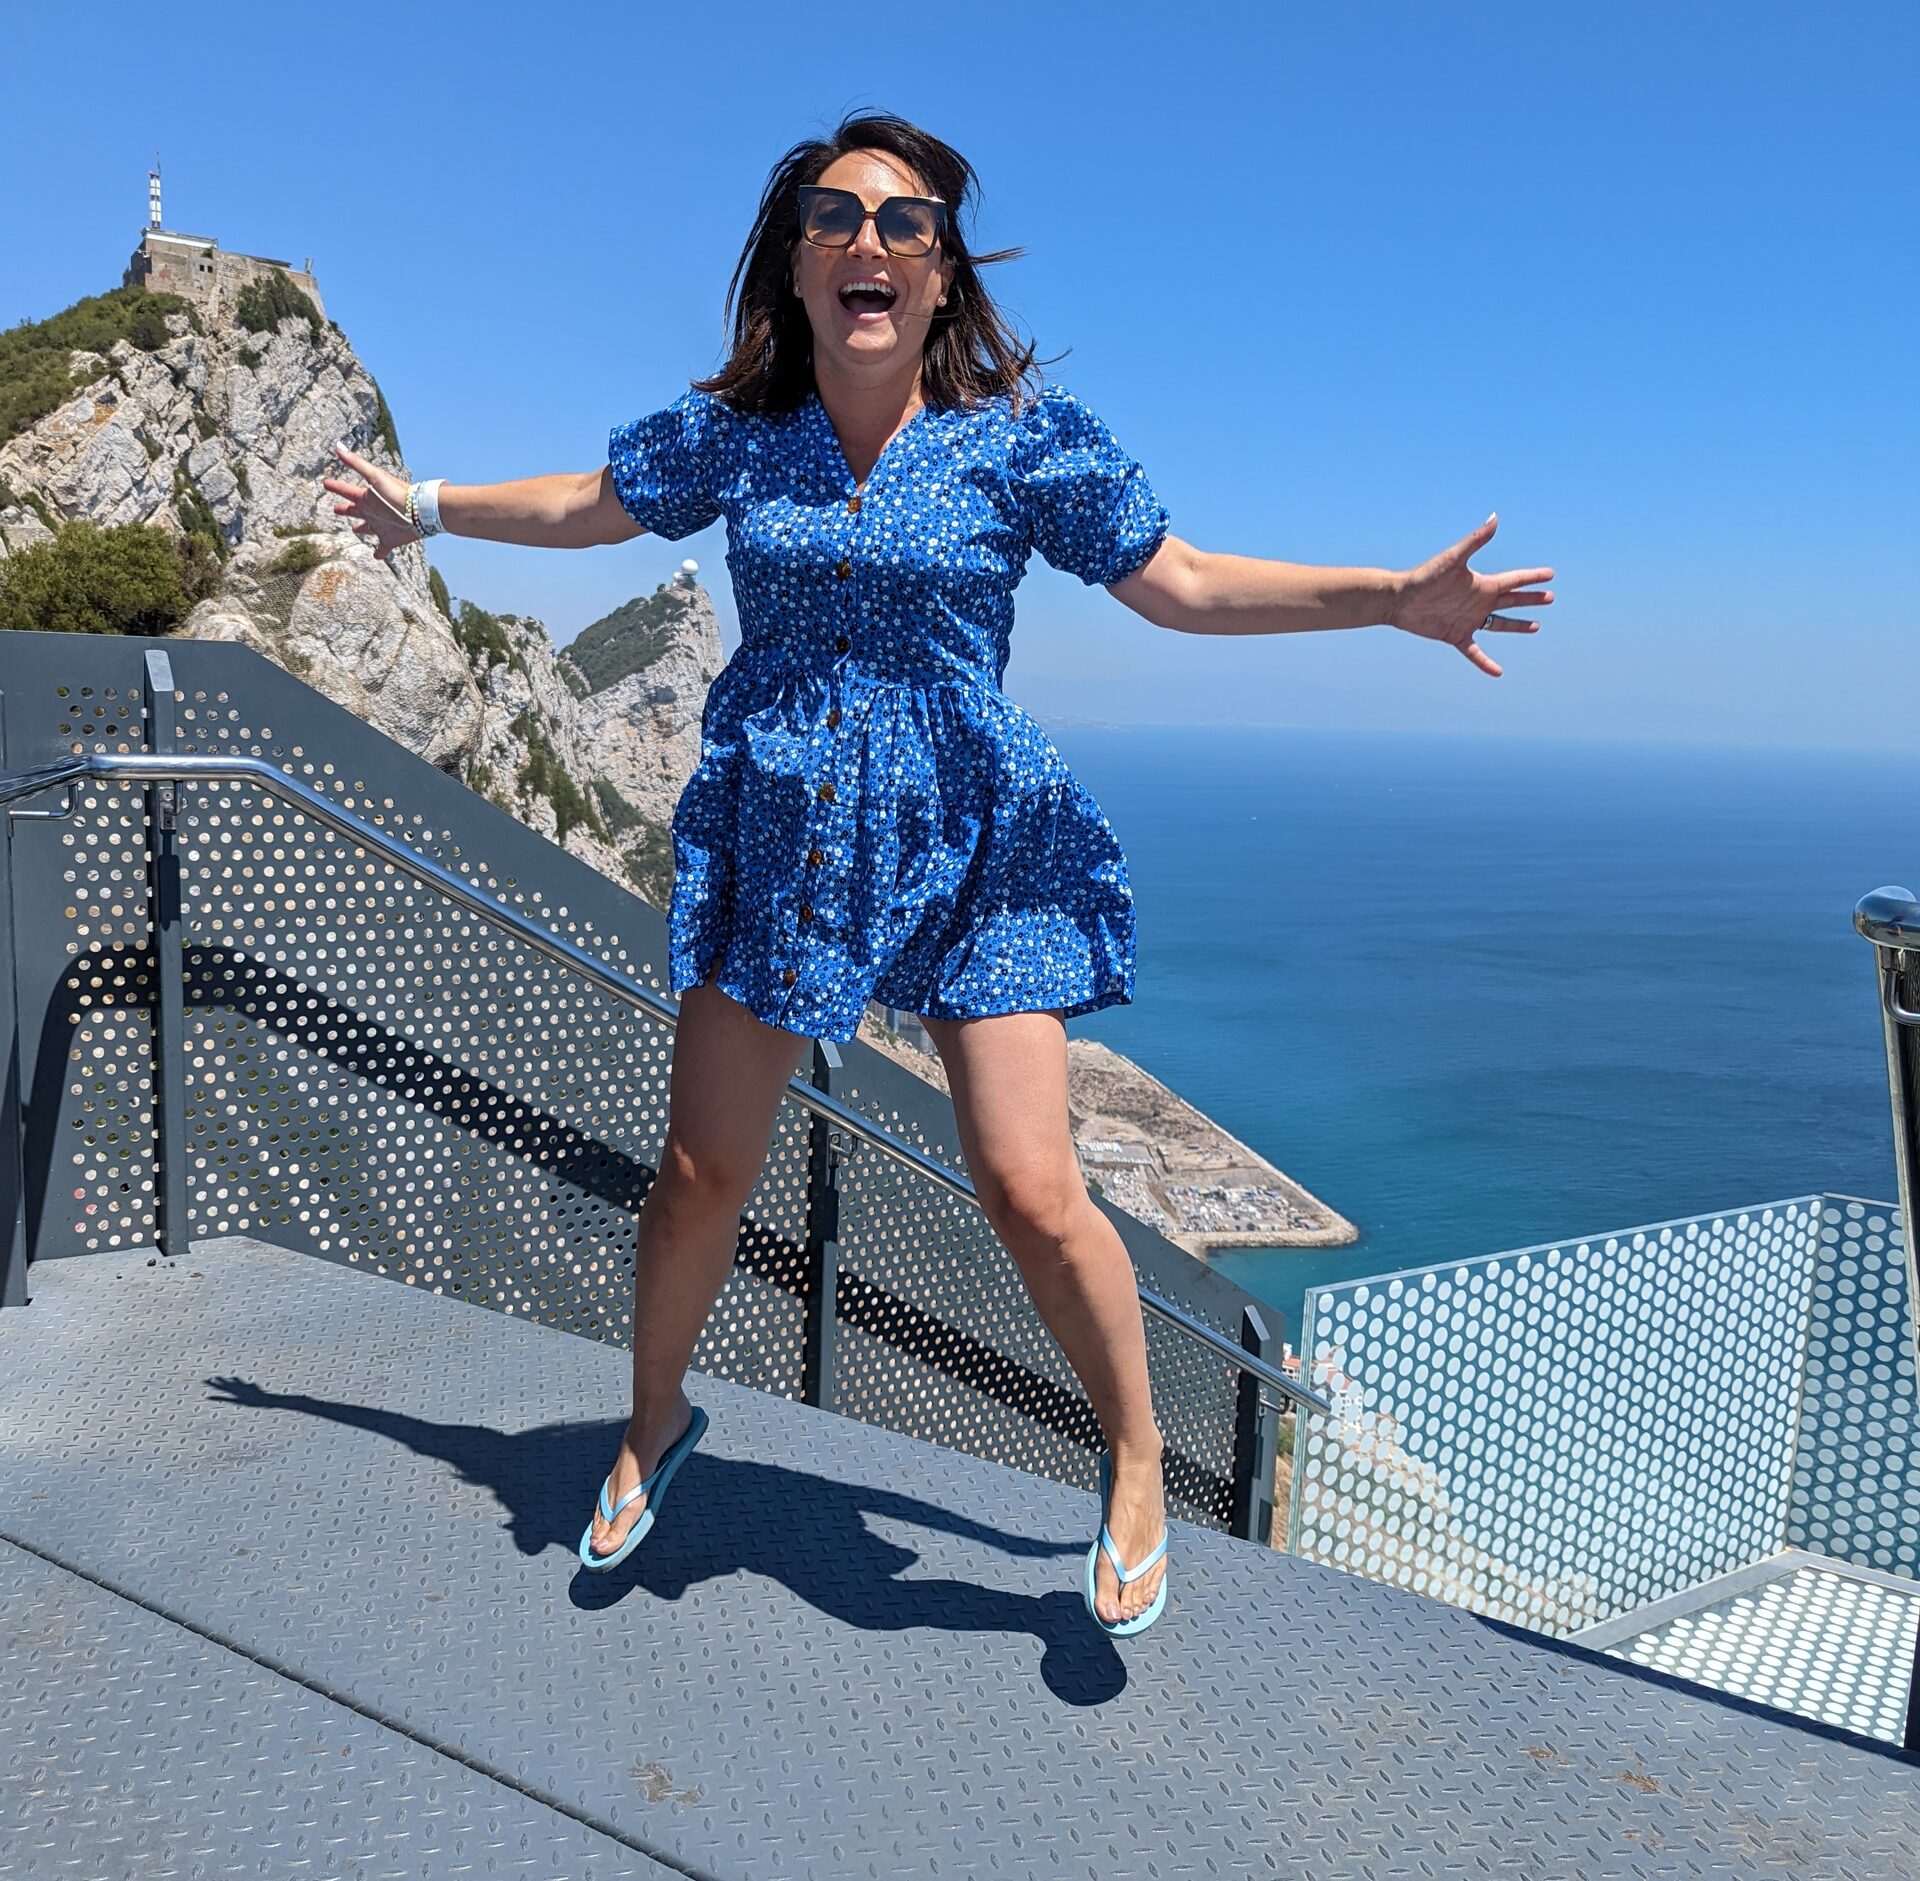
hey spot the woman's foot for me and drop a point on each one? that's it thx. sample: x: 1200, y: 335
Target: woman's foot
x: 640, y: 1452
x: 1136, y: 1519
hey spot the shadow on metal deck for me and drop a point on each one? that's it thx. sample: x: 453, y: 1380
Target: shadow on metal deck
x: 290, y: 1583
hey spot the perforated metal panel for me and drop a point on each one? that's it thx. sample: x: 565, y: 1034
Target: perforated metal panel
x: 1557, y: 1435
x: 939, y: 1338
x: 1856, y: 1489
x: 382, y: 1078
x: 1816, y: 1641
x: 91, y: 877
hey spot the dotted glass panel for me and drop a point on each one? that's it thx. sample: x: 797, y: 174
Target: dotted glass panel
x: 1815, y: 1642
x: 1856, y: 1494
x: 1559, y: 1435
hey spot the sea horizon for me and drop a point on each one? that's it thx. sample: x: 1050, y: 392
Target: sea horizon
x: 1481, y: 993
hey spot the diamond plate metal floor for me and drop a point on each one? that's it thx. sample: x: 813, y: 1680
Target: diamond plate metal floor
x: 842, y: 1653
x: 131, y: 1746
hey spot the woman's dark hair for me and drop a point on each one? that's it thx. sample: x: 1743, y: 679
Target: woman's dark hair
x: 972, y: 353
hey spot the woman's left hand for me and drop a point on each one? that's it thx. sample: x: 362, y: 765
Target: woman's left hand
x: 1444, y: 599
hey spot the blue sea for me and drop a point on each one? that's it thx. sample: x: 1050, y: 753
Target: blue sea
x: 1483, y: 994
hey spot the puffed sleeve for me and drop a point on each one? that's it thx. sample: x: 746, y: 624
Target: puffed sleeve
x: 665, y: 465
x: 1089, y: 505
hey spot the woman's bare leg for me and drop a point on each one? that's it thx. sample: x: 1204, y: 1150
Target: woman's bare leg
x: 729, y: 1070
x: 1008, y: 1075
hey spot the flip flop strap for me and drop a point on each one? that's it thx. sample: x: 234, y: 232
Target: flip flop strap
x: 1113, y: 1554
x: 640, y: 1489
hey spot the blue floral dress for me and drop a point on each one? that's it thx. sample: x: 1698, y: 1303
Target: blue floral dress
x: 871, y: 816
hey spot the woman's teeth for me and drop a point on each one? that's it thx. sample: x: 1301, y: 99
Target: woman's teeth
x: 866, y: 298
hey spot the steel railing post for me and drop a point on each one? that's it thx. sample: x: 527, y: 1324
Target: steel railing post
x: 1256, y: 1441
x: 169, y: 972
x: 1890, y: 919
x: 823, y: 1238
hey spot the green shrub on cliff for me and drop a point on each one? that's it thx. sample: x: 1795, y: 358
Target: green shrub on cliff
x: 383, y: 423
x: 631, y: 638
x: 544, y: 775
x: 35, y: 376
x: 482, y: 636
x: 261, y: 305
x: 131, y: 579
x: 196, y: 513
x: 300, y: 555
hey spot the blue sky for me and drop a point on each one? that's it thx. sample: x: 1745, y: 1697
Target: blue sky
x: 1640, y: 277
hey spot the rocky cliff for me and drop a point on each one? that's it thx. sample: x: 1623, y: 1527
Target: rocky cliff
x: 214, y: 431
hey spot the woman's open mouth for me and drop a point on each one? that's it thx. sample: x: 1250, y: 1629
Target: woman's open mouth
x: 867, y: 300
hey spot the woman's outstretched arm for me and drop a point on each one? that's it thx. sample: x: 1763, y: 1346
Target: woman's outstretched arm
x: 1197, y: 592
x: 568, y: 510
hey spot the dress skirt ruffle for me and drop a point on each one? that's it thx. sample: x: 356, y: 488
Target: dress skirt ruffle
x: 929, y: 849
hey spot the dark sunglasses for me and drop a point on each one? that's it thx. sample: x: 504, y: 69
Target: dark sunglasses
x: 906, y: 225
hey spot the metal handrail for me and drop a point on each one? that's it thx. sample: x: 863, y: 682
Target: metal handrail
x: 137, y: 767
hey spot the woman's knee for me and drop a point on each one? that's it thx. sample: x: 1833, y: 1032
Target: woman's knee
x: 1032, y: 1204
x: 706, y: 1178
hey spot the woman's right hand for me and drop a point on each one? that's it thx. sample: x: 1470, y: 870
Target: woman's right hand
x: 377, y: 510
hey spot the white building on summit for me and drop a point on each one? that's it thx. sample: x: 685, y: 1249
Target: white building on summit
x: 197, y: 269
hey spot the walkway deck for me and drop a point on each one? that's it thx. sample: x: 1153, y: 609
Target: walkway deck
x: 288, y: 1564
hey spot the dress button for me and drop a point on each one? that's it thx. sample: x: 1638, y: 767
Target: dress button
x: 788, y: 976
x: 843, y: 569
x: 841, y: 643
x: 806, y: 911
x: 826, y: 793
x: 815, y: 857
x: 833, y: 716
x: 853, y: 503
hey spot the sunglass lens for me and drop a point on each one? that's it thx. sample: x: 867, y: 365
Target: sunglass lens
x: 908, y: 228
x: 832, y: 218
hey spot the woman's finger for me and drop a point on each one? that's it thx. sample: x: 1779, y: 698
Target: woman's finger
x: 1506, y: 624
x: 1474, y: 539
x: 341, y: 489
x: 1523, y: 597
x: 1520, y: 577
x: 1481, y: 660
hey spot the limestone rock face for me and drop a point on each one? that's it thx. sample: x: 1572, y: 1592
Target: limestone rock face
x: 232, y: 431
x: 642, y: 733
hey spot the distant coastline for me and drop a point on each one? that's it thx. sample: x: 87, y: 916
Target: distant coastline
x: 1151, y: 1153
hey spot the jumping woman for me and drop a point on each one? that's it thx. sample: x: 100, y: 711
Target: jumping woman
x: 871, y: 816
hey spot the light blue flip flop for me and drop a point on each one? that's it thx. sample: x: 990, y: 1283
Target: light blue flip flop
x: 653, y: 1487
x: 1121, y: 1629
